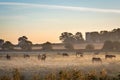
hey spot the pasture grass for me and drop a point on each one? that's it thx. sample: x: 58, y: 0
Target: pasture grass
x: 57, y: 67
x: 63, y: 75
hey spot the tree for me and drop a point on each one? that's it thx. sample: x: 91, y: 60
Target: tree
x: 89, y: 47
x: 111, y: 45
x: 69, y: 46
x: 95, y: 36
x: 116, y: 45
x: 7, y: 46
x: 1, y: 42
x: 108, y: 45
x: 67, y: 37
x: 104, y: 36
x: 47, y: 46
x: 24, y: 43
x: 79, y: 37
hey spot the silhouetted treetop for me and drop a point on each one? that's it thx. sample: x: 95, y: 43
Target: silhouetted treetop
x: 67, y: 37
x: 103, y: 36
x: 47, y: 46
x: 1, y: 42
x: 24, y: 43
x: 7, y: 45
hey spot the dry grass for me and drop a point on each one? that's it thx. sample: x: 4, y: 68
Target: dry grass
x: 55, y: 63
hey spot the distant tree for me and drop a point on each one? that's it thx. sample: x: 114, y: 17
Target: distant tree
x: 104, y: 35
x: 24, y: 43
x: 7, y: 46
x: 47, y: 46
x: 69, y: 46
x: 108, y: 45
x: 78, y: 37
x: 1, y: 42
x: 67, y: 37
x: 95, y: 36
x: 110, y: 35
x: 116, y: 45
x: 115, y: 34
x: 89, y: 47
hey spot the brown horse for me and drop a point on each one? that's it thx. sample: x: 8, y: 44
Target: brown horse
x: 79, y: 53
x: 43, y: 57
x: 110, y: 56
x: 96, y: 59
x: 39, y: 57
x: 8, y: 57
x: 26, y: 56
x: 65, y: 54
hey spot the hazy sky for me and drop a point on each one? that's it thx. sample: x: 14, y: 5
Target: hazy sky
x: 45, y: 20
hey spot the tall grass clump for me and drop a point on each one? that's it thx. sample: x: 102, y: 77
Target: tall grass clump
x: 16, y: 75
x: 5, y: 77
x: 63, y: 75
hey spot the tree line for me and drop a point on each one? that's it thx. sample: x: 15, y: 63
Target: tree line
x: 111, y: 41
x: 91, y: 37
x: 23, y: 43
x: 102, y: 36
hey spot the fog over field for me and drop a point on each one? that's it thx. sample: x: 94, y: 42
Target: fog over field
x: 59, y: 39
x: 56, y: 62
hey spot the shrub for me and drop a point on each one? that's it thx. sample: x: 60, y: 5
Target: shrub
x: 17, y: 75
x: 47, y: 46
x: 89, y: 47
x: 5, y: 77
x: 69, y: 46
x: 108, y: 45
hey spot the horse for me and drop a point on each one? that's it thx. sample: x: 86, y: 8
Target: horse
x: 79, y: 53
x: 65, y: 54
x: 26, y: 56
x: 39, y: 57
x: 109, y: 56
x: 43, y: 57
x: 96, y: 59
x: 8, y: 57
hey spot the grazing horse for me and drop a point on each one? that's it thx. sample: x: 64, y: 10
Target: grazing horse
x: 39, y: 57
x: 110, y: 56
x: 65, y: 54
x: 94, y: 59
x: 8, y: 57
x: 26, y: 56
x: 43, y: 57
x: 79, y: 53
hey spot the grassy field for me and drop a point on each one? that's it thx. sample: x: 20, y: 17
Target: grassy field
x: 56, y: 62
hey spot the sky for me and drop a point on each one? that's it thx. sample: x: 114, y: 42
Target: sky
x: 45, y: 20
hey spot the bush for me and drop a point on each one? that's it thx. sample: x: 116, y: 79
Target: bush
x: 108, y: 45
x: 69, y: 46
x: 47, y: 46
x: 89, y: 47
x: 5, y: 77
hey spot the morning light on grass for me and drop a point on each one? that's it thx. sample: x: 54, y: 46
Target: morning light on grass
x: 59, y: 40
